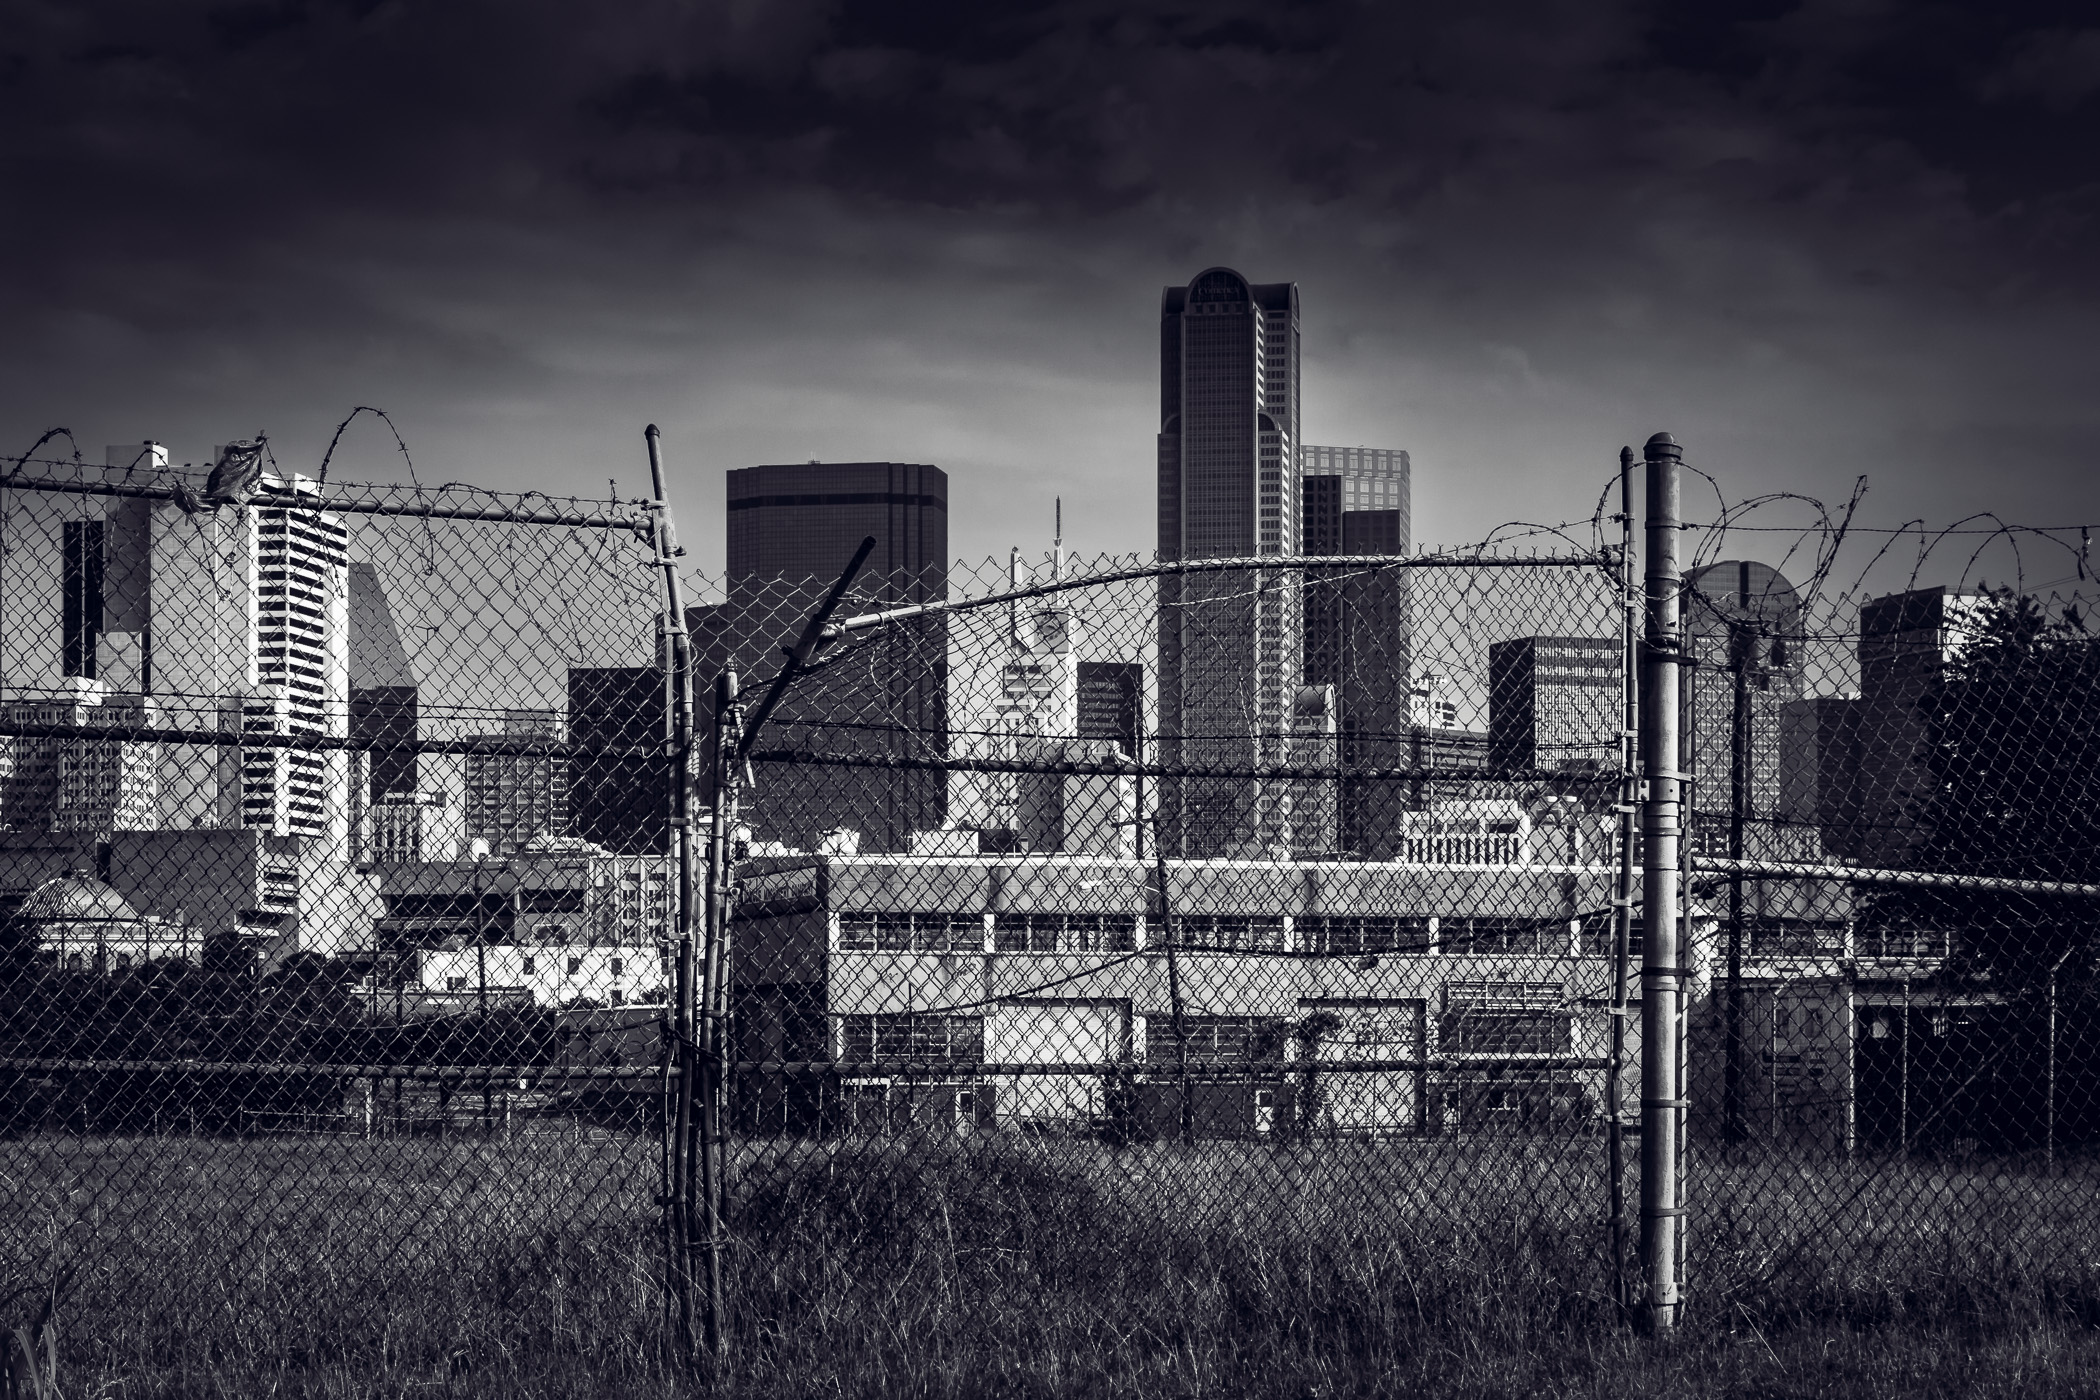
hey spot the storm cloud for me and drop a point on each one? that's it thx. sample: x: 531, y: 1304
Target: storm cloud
x: 1812, y: 240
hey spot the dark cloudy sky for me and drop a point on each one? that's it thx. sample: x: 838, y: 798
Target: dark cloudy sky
x: 1812, y: 240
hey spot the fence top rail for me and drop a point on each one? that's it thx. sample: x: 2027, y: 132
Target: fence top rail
x: 1709, y: 866
x: 1472, y: 558
x: 421, y: 504
x: 324, y: 743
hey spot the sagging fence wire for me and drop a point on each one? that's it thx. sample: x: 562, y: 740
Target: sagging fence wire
x: 451, y: 837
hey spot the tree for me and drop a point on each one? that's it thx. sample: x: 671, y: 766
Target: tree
x: 2013, y: 736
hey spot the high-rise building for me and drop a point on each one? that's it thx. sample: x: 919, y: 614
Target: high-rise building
x: 250, y: 633
x: 1555, y: 704
x: 64, y: 783
x: 1906, y: 643
x: 619, y: 799
x: 383, y: 692
x: 1355, y: 500
x: 513, y: 797
x: 792, y: 530
x: 1230, y: 643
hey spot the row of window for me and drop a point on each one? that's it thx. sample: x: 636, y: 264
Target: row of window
x: 896, y: 931
x: 1215, y: 1042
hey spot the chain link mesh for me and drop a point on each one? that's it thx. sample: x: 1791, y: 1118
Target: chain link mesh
x: 364, y: 955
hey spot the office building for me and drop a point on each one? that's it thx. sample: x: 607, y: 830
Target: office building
x: 383, y: 692
x: 1355, y: 501
x: 513, y: 797
x: 619, y: 779
x: 64, y: 783
x: 1230, y: 643
x: 1855, y: 768
x: 792, y: 530
x: 1556, y: 705
x: 250, y: 633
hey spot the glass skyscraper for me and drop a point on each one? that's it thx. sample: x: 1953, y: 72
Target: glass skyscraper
x: 1230, y: 643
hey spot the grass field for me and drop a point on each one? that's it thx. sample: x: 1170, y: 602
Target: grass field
x: 531, y: 1265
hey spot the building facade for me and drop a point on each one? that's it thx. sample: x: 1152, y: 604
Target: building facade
x: 513, y: 798
x: 1230, y: 643
x: 792, y: 530
x: 1744, y: 632
x: 1556, y: 704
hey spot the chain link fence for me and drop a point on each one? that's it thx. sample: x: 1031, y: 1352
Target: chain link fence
x: 335, y: 910
x: 434, y: 914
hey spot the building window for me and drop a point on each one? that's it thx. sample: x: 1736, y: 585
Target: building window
x: 1505, y: 1018
x: 618, y: 966
x: 455, y: 984
x: 911, y: 1036
x: 1498, y: 935
x: 1363, y: 933
x: 529, y: 966
x: 575, y: 966
x: 618, y: 997
x: 1217, y: 1040
x: 898, y: 931
x: 1064, y: 933
x: 1229, y: 932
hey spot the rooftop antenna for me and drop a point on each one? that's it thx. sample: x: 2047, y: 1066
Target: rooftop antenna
x: 1057, y: 545
x: 1013, y: 607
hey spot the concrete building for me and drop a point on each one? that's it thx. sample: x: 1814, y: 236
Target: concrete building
x: 1906, y: 643
x: 967, y: 994
x: 278, y: 894
x: 512, y: 798
x: 792, y: 530
x: 1230, y: 644
x: 64, y: 783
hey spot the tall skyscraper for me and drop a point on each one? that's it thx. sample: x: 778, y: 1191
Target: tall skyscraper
x: 1230, y: 644
x: 792, y: 530
x: 383, y: 692
x: 250, y: 632
x: 1355, y: 500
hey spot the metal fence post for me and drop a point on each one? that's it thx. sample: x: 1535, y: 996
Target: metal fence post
x: 1622, y: 888
x: 713, y: 1052
x: 678, y: 747
x: 1662, y: 963
x: 1742, y: 647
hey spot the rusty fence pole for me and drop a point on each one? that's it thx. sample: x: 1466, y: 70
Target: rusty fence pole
x: 712, y: 1048
x: 678, y: 1056
x: 1662, y: 963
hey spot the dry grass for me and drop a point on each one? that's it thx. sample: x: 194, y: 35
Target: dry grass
x: 996, y: 1266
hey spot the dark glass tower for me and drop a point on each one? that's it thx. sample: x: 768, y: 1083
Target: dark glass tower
x: 1355, y: 500
x: 1230, y: 644
x: 792, y: 530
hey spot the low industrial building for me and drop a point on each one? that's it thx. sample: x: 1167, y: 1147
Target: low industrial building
x: 1331, y: 997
